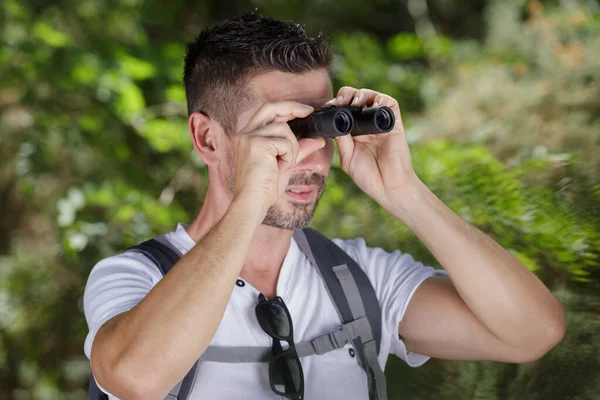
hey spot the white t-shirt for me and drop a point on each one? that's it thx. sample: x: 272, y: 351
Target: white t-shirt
x: 116, y: 284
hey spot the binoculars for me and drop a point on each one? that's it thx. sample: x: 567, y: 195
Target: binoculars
x: 331, y: 121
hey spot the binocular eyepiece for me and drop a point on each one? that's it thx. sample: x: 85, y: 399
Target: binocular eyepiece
x: 334, y: 121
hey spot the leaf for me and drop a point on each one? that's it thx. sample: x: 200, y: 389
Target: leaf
x: 87, y: 70
x: 406, y: 46
x: 439, y: 47
x: 125, y: 213
x: 136, y: 68
x: 49, y: 35
x: 175, y: 93
x: 130, y: 102
x: 166, y: 135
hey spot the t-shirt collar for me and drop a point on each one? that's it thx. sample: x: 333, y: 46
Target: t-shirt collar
x: 287, y: 273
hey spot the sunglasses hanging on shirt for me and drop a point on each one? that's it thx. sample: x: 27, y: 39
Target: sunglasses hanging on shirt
x: 285, y: 370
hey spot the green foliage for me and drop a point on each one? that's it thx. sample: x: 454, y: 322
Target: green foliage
x: 541, y: 232
x: 95, y: 157
x: 531, y: 92
x: 362, y: 62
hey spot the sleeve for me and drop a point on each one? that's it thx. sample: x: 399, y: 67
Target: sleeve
x: 116, y: 285
x: 395, y: 277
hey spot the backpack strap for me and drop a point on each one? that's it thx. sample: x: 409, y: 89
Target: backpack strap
x: 94, y: 392
x: 162, y: 253
x: 321, y: 345
x: 376, y: 377
x: 350, y: 289
x: 356, y: 302
x: 354, y: 298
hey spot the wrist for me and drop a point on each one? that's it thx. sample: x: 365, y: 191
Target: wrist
x: 247, y: 208
x: 405, y: 203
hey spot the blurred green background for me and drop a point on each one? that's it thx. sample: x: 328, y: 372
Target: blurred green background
x: 501, y: 100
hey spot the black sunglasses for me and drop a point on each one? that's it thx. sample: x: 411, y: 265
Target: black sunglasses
x: 285, y: 370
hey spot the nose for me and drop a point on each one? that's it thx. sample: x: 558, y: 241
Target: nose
x: 312, y: 155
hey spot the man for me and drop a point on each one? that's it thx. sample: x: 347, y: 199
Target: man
x: 244, y: 80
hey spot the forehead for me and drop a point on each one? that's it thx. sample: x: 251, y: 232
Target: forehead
x: 313, y: 87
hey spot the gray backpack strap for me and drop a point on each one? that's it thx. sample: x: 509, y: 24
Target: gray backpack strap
x: 354, y: 298
x: 237, y: 354
x: 185, y: 387
x: 174, y: 392
x: 358, y: 328
x: 324, y: 254
x: 370, y: 350
x: 165, y: 255
x: 321, y: 345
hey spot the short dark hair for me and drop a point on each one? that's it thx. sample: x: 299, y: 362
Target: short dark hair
x: 219, y: 62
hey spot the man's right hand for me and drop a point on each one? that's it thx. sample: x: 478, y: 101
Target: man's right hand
x: 265, y: 151
x: 137, y: 354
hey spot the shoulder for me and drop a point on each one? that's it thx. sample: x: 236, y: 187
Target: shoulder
x: 383, y: 267
x: 128, y: 263
x: 115, y: 285
x: 120, y: 274
x: 351, y: 245
x: 365, y: 255
x: 133, y: 263
x: 356, y: 248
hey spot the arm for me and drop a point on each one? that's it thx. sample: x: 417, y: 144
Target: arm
x: 143, y: 353
x: 141, y: 346
x: 493, y: 308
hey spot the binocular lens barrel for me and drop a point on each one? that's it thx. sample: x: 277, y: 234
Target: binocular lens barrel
x: 384, y: 119
x: 374, y: 120
x: 326, y: 123
x: 331, y: 122
x: 342, y: 122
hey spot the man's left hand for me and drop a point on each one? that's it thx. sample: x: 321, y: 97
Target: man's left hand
x: 379, y: 164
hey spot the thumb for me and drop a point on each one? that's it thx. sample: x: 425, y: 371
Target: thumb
x: 307, y: 146
x: 345, y: 145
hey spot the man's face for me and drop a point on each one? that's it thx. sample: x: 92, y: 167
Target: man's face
x: 296, y: 207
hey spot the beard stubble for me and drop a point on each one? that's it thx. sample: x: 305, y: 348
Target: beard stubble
x: 300, y: 214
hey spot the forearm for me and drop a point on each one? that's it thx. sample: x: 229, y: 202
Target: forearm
x: 159, y: 340
x: 502, y: 293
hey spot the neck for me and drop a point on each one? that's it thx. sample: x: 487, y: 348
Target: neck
x: 267, y: 251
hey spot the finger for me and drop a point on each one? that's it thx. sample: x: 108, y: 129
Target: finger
x: 281, y: 111
x: 345, y: 96
x: 276, y: 129
x: 364, y: 97
x: 280, y: 130
x: 348, y: 95
x: 307, y: 146
x: 289, y: 135
x: 370, y: 98
x: 385, y: 100
x: 279, y: 148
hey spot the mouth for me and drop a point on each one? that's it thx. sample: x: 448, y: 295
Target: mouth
x: 300, y: 193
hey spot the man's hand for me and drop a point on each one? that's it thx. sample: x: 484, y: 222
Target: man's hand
x: 266, y: 150
x: 493, y: 306
x: 379, y: 164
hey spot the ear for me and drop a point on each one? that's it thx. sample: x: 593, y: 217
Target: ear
x: 206, y: 135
